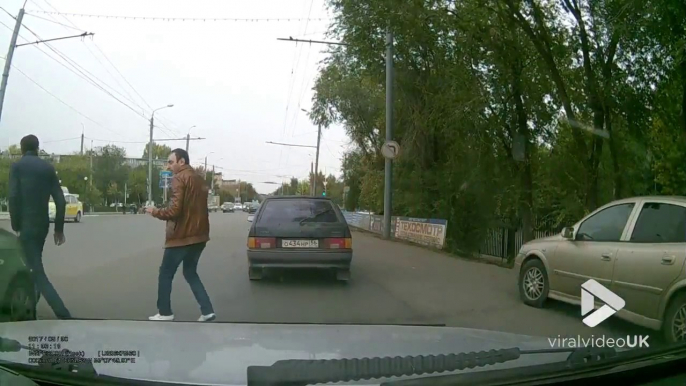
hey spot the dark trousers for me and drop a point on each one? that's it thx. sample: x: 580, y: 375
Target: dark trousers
x: 32, y: 243
x: 173, y: 257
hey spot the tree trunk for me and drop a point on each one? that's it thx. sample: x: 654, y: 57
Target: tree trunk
x: 526, y: 202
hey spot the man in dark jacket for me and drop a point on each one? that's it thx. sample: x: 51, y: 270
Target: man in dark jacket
x: 32, y: 182
x: 188, y: 231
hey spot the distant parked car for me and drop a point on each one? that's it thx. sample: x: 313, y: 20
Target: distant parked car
x: 73, y: 211
x: 227, y: 207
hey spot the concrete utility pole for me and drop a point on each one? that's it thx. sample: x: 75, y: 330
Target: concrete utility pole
x: 150, y: 145
x: 188, y: 140
x: 316, y: 159
x: 150, y: 150
x: 388, y: 178
x: 91, y: 179
x: 311, y: 179
x: 8, y: 59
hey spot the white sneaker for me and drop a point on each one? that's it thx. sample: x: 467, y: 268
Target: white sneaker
x: 162, y: 318
x: 207, y: 318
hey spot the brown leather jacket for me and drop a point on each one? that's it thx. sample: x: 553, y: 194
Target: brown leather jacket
x: 187, y: 215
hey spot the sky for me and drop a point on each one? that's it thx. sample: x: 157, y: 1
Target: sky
x: 231, y: 79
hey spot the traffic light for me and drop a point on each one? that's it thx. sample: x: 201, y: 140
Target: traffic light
x: 323, y: 193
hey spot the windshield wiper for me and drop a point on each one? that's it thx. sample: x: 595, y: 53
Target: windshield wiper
x: 315, y: 215
x: 306, y: 372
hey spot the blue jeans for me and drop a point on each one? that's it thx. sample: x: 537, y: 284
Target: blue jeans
x: 173, y: 257
x: 32, y: 242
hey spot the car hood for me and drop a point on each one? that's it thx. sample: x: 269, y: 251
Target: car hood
x: 220, y: 353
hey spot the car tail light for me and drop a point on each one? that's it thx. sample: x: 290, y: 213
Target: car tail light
x: 338, y: 243
x: 261, y: 242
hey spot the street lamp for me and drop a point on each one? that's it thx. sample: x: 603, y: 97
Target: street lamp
x: 152, y: 119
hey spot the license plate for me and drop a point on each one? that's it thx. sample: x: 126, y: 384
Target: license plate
x: 300, y: 243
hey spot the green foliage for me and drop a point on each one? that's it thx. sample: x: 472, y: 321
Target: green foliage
x: 158, y: 151
x: 474, y: 80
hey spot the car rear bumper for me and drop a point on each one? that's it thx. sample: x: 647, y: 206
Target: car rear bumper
x: 300, y: 259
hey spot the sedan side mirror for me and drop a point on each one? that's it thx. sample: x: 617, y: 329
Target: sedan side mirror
x: 250, y: 218
x: 568, y: 233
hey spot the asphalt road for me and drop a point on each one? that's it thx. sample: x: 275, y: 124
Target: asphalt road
x: 108, y: 270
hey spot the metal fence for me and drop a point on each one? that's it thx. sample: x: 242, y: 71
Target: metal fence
x: 496, y: 240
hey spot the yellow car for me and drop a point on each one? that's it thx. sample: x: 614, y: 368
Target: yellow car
x: 74, y: 210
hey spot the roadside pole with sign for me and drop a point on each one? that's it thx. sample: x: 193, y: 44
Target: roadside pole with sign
x: 390, y: 150
x: 165, y: 179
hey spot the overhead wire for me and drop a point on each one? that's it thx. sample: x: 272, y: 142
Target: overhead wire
x: 51, y: 94
x: 113, y: 141
x: 305, y: 71
x: 60, y: 100
x: 292, y: 83
x: 89, y: 50
x: 83, y: 72
x: 130, y: 99
x: 61, y: 140
x: 53, y: 21
x: 191, y: 19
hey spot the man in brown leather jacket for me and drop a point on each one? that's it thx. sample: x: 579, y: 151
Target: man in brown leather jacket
x: 188, y: 231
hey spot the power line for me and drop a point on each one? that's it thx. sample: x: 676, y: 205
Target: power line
x: 76, y: 66
x: 130, y: 98
x: 53, y: 21
x: 60, y: 100
x: 96, y: 58
x: 7, y: 12
x: 81, y: 70
x: 113, y: 141
x: 191, y: 19
x: 61, y: 140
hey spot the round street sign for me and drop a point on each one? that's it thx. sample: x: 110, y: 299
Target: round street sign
x: 390, y: 149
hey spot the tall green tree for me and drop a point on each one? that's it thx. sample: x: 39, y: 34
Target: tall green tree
x: 159, y: 151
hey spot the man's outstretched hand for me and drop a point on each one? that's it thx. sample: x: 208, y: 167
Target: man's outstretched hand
x: 149, y: 210
x: 59, y: 238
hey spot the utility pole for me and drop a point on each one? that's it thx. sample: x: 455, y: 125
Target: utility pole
x: 8, y: 59
x: 311, y: 179
x: 388, y: 194
x: 150, y: 150
x: 316, y: 159
x: 212, y: 181
x: 82, y: 136
x: 150, y: 146
x: 188, y: 140
x: 91, y: 179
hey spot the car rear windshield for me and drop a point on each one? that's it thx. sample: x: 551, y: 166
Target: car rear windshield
x: 282, y: 211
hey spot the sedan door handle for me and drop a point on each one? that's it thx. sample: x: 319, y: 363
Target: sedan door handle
x: 606, y: 256
x: 668, y: 259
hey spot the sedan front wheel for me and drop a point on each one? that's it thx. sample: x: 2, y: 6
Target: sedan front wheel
x: 533, y: 283
x: 674, y: 323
